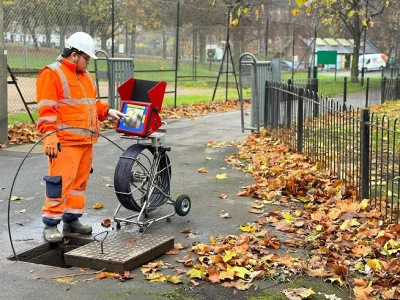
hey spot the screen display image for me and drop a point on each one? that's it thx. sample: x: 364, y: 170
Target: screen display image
x: 135, y: 118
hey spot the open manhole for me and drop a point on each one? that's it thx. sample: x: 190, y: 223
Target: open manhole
x: 117, y: 252
x: 51, y: 254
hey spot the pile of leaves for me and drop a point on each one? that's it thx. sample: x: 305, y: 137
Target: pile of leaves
x: 27, y: 132
x: 338, y: 238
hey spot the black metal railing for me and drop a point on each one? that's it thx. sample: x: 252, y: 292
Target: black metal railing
x: 359, y: 147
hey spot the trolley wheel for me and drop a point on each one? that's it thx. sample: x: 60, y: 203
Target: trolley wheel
x: 118, y: 225
x: 142, y: 178
x: 182, y: 205
x: 141, y: 229
x: 168, y: 220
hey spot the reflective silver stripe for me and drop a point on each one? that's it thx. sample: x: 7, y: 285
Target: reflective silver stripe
x: 54, y: 65
x: 73, y: 211
x: 48, y: 103
x: 55, y: 203
x: 89, y: 101
x: 76, y: 192
x: 67, y: 92
x: 47, y: 119
x: 53, y: 217
x: 83, y: 132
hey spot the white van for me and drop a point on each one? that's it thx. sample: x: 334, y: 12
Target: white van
x: 372, y: 62
x: 214, y: 52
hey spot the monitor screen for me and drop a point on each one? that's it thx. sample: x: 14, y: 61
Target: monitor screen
x: 135, y: 119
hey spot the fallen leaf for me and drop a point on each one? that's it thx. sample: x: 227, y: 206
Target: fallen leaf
x: 106, y: 223
x: 202, y: 170
x: 221, y: 176
x: 98, y: 205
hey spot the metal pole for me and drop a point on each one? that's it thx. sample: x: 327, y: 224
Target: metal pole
x: 178, y: 7
x: 365, y: 40
x: 293, y: 52
x: 266, y: 38
x: 227, y: 58
x: 396, y: 51
x: 112, y: 28
x: 3, y: 84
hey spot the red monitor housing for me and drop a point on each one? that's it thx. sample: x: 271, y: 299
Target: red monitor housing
x: 142, y: 99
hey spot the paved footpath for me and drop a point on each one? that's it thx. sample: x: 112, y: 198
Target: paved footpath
x: 187, y: 138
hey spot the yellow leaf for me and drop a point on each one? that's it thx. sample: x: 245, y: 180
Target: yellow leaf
x: 208, y: 158
x: 14, y: 198
x: 351, y: 13
x: 98, y: 205
x: 248, y: 228
x: 228, y: 255
x: 257, y: 14
x: 364, y: 203
x: 295, y: 12
x: 195, y: 273
x: 235, y: 22
x: 245, y: 10
x: 288, y: 217
x: 239, y: 12
x: 364, y: 22
x: 154, y: 277
x: 221, y: 176
x: 375, y: 264
x: 307, y: 293
x: 239, y: 271
x: 174, y: 279
x: 67, y: 280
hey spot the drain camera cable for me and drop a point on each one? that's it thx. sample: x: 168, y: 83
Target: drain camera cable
x: 22, y: 162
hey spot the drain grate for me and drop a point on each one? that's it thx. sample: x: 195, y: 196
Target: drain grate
x: 119, y: 252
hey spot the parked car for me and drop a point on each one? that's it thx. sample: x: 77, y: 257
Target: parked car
x: 286, y: 65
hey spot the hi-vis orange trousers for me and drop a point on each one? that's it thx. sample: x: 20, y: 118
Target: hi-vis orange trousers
x: 66, y: 184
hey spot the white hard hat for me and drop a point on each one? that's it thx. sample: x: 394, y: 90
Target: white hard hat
x: 82, y: 42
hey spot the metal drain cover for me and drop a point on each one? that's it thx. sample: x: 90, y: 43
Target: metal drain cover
x: 121, y: 252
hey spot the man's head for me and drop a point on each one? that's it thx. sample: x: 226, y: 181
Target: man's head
x: 79, y: 48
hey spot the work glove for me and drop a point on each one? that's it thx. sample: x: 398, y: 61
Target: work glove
x: 52, y: 146
x: 115, y: 113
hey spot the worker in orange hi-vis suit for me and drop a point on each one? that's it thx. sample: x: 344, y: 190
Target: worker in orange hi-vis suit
x: 69, y: 115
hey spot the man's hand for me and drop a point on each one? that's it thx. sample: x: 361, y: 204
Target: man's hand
x: 52, y: 146
x: 115, y: 113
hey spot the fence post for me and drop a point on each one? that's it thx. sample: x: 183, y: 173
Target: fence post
x: 397, y: 87
x: 344, y: 90
x: 367, y: 93
x: 364, y: 147
x: 266, y: 97
x: 3, y: 85
x: 383, y: 89
x: 300, y: 121
x: 316, y: 98
x: 289, y: 104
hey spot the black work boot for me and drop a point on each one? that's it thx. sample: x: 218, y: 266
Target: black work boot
x: 76, y: 227
x: 51, y: 234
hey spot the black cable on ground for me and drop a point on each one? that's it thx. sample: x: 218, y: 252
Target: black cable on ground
x: 19, y: 167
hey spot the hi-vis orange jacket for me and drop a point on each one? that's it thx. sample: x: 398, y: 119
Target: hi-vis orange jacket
x: 68, y: 99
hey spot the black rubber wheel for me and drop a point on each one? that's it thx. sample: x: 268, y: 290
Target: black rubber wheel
x: 141, y: 229
x: 168, y: 220
x: 132, y: 180
x: 182, y: 205
x: 118, y: 226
